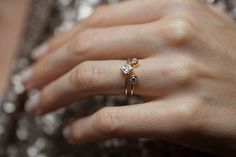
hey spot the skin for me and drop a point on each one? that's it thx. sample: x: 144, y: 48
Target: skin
x: 13, y: 15
x: 187, y: 68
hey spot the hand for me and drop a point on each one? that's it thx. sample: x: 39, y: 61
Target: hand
x: 187, y: 66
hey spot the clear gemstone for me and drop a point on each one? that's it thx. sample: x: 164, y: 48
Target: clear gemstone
x: 126, y: 68
x: 133, y: 79
x: 134, y: 61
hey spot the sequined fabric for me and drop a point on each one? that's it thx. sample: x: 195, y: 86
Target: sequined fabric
x: 22, y: 135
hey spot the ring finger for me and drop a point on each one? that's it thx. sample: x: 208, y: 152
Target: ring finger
x: 156, y: 78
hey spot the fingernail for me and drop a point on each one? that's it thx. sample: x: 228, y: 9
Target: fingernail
x: 26, y: 75
x: 66, y: 132
x: 33, y: 102
x: 40, y: 51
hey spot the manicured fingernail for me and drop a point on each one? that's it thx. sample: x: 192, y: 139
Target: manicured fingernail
x: 67, y: 135
x: 40, y: 51
x: 66, y: 132
x: 33, y: 102
x: 26, y: 75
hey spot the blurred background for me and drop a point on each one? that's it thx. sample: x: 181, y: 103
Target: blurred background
x: 24, y: 24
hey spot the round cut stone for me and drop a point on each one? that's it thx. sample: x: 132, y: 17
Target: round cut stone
x: 133, y: 79
x: 134, y: 61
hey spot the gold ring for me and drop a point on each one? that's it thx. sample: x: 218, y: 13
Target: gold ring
x: 130, y: 78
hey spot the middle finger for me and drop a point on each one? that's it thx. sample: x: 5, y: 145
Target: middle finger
x: 95, y: 44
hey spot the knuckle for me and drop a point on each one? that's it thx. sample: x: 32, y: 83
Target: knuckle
x: 106, y: 121
x: 179, y: 73
x: 83, y: 43
x: 179, y: 31
x: 189, y: 113
x: 185, y: 72
x: 187, y: 110
x: 84, y: 77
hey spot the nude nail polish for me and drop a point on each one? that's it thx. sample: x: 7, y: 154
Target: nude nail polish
x: 40, y: 51
x: 66, y: 132
x: 26, y: 75
x: 33, y: 102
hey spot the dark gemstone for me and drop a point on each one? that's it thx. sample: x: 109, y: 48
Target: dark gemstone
x: 133, y: 79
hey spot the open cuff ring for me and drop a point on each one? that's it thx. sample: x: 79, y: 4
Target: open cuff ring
x: 130, y: 78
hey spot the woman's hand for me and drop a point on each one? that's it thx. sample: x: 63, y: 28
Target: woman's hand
x: 187, y: 67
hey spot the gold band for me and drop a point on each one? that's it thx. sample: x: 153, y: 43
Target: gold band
x: 132, y: 90
x: 126, y: 87
x: 129, y: 87
x: 130, y: 78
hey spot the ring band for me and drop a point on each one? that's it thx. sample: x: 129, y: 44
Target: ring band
x: 130, y: 78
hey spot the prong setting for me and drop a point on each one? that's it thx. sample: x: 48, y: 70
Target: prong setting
x: 133, y: 61
x: 133, y: 79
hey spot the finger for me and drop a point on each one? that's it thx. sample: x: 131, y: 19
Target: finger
x: 220, y: 12
x: 54, y: 43
x: 167, y: 120
x: 124, y: 13
x: 98, y: 44
x: 156, y: 78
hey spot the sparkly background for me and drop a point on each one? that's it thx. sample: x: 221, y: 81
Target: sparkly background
x: 22, y: 135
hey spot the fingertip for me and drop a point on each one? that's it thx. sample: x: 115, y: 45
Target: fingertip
x: 25, y: 77
x: 40, y: 51
x: 33, y: 101
x: 66, y: 132
x: 67, y: 135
